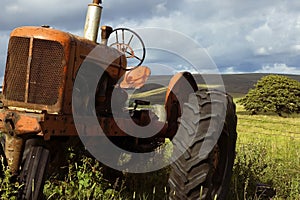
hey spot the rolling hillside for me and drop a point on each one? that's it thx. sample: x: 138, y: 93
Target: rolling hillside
x: 235, y: 84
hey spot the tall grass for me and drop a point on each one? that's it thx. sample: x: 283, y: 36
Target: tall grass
x: 8, y: 186
x: 84, y: 180
x: 268, y: 153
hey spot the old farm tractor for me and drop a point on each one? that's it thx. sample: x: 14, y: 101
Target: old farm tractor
x: 40, y: 94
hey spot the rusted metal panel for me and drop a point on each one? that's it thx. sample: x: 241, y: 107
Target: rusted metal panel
x: 20, y: 123
x: 2, y: 120
x: 43, y: 33
x: 110, y: 59
x: 58, y: 125
x: 27, y: 124
x: 110, y: 128
x: 180, y: 87
x: 136, y: 78
x: 181, y: 83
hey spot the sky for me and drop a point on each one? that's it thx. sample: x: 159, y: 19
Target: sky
x: 259, y: 36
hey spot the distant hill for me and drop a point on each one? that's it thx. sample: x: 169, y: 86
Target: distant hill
x: 241, y: 83
x: 235, y: 84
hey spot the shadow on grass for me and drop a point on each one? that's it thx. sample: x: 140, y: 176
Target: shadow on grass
x: 243, y: 113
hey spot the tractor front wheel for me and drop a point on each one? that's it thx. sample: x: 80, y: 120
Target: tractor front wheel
x: 3, y: 162
x: 32, y: 176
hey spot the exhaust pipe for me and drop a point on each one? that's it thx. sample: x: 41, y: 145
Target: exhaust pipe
x: 92, y: 21
x: 105, y: 33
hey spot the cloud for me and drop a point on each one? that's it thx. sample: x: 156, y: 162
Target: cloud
x: 121, y: 12
x: 235, y: 33
x: 68, y: 15
x: 239, y: 36
x: 279, y: 68
x: 231, y: 70
x: 4, y: 36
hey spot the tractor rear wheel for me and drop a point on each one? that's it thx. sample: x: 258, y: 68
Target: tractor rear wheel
x: 202, y: 166
x: 33, y: 171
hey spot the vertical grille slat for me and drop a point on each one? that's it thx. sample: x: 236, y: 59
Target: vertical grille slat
x: 46, y: 71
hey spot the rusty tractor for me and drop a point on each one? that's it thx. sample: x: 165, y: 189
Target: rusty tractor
x: 37, y: 112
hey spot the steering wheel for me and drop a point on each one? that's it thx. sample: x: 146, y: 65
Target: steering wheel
x: 130, y: 44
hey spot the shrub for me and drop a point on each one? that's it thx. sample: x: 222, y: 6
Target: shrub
x: 273, y: 93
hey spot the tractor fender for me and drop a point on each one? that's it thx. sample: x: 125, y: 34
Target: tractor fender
x: 180, y: 87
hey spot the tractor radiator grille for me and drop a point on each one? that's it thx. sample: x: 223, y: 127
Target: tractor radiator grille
x: 45, y: 73
x: 15, y: 80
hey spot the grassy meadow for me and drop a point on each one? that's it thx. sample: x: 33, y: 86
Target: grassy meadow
x: 268, y: 153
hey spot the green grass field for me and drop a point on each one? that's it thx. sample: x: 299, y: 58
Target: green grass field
x: 268, y: 152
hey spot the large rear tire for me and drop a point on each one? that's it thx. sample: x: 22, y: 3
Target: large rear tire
x: 32, y: 176
x: 204, y: 147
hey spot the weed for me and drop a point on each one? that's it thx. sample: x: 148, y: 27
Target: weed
x: 8, y: 186
x: 84, y: 180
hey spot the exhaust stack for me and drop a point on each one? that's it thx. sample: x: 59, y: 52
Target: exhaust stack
x: 92, y: 21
